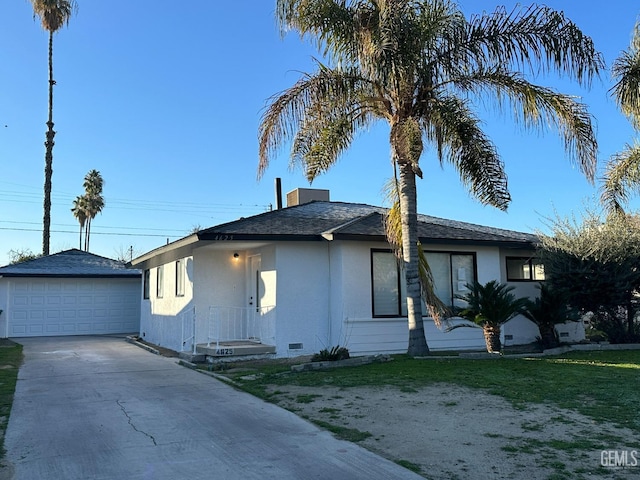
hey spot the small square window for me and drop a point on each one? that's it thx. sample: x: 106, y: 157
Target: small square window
x: 524, y: 269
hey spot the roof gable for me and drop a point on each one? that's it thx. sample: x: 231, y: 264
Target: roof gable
x: 70, y: 263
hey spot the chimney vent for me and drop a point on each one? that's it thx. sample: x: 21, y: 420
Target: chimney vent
x: 278, y: 194
x: 306, y: 195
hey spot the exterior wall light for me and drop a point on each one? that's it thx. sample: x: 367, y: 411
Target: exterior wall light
x: 236, y: 255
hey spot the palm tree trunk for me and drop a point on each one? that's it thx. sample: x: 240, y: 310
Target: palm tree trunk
x: 48, y: 158
x: 492, y: 338
x: 80, y: 242
x: 409, y: 214
x: 87, y: 230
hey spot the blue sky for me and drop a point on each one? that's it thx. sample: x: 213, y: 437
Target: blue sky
x: 165, y: 101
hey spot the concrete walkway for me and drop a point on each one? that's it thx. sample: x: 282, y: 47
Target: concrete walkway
x: 101, y: 408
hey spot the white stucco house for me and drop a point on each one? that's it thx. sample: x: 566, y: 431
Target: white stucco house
x: 69, y: 293
x: 320, y: 274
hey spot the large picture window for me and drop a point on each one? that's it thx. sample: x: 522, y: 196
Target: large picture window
x: 524, y: 269
x: 451, y: 272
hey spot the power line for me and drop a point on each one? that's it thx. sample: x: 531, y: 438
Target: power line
x: 119, y: 234
x: 99, y: 226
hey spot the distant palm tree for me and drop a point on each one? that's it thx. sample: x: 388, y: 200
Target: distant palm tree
x: 94, y: 201
x: 622, y: 175
x: 79, y: 211
x: 416, y: 64
x: 53, y: 15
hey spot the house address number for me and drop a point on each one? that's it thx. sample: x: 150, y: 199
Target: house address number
x: 224, y: 351
x: 223, y: 237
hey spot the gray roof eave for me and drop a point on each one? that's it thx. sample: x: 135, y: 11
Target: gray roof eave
x: 134, y: 274
x: 175, y: 250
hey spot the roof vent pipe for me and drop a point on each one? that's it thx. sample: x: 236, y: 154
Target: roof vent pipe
x: 278, y: 194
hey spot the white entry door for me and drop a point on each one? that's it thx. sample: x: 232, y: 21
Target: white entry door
x: 256, y: 286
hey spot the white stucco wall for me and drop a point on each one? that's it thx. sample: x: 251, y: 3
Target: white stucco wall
x: 322, y: 297
x: 353, y: 325
x: 167, y: 321
x: 303, y: 297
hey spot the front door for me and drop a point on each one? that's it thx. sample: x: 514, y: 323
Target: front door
x: 256, y: 287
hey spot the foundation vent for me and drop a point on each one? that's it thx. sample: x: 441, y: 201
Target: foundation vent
x: 295, y: 346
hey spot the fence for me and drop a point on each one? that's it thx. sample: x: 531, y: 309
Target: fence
x: 174, y: 332
x: 241, y: 324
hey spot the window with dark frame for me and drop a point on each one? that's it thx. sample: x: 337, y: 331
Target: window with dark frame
x: 451, y: 272
x: 160, y: 281
x: 524, y: 269
x: 146, y: 287
x: 180, y: 278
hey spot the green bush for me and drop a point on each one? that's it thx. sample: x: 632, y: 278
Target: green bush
x: 336, y: 353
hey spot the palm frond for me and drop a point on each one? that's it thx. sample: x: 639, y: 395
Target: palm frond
x: 321, y: 102
x: 536, y: 38
x: 54, y: 14
x: 491, y: 304
x: 462, y: 142
x: 328, y: 130
x: 329, y: 24
x: 537, y: 107
x: 622, y: 176
x: 626, y: 71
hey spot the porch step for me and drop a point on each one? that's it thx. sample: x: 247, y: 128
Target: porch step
x: 234, y: 349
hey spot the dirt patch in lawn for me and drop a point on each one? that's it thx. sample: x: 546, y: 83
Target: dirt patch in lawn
x: 452, y: 432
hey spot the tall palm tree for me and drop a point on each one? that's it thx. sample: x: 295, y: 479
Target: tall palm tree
x: 622, y: 175
x: 53, y: 15
x: 79, y: 211
x: 417, y: 64
x: 94, y: 201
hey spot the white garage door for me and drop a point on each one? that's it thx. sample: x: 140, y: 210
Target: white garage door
x: 73, y: 306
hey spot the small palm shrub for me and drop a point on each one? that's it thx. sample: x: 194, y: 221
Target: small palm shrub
x: 336, y: 353
x: 489, y: 307
x: 546, y: 311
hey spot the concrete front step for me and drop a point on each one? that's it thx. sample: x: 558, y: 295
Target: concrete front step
x: 234, y: 349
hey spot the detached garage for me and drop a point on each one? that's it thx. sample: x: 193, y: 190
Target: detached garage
x: 69, y: 293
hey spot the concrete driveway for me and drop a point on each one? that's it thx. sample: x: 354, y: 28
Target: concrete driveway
x: 101, y: 408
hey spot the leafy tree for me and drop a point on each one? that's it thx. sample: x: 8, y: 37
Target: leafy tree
x: 21, y: 255
x: 53, y: 15
x: 595, y: 264
x: 126, y: 254
x: 490, y: 306
x: 416, y: 65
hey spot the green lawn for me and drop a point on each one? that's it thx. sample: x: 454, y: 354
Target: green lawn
x: 602, y: 385
x: 10, y: 360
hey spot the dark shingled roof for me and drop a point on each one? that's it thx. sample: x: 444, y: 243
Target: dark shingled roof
x: 70, y: 263
x: 351, y: 221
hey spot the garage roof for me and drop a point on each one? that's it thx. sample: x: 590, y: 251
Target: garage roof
x: 70, y: 263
